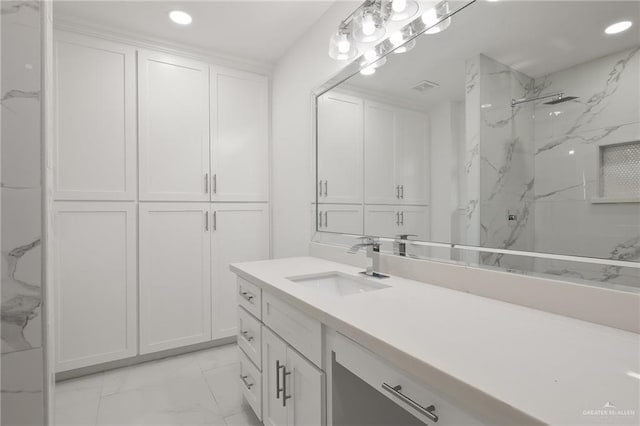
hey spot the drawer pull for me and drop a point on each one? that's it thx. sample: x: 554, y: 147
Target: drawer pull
x: 426, y: 411
x: 248, y: 384
x: 278, y: 390
x: 247, y: 336
x: 248, y: 296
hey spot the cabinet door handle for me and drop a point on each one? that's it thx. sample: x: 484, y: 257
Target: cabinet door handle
x: 397, y: 218
x: 428, y: 412
x: 402, y: 218
x: 326, y: 186
x: 284, y: 386
x: 206, y: 183
x: 247, y: 336
x: 206, y: 221
x: 319, y: 219
x: 248, y: 384
x: 278, y: 390
x: 398, y: 191
x: 326, y: 219
x: 215, y: 220
x: 402, y: 191
x: 215, y: 183
x: 247, y: 296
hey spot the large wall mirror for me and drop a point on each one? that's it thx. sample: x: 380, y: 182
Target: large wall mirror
x: 516, y: 128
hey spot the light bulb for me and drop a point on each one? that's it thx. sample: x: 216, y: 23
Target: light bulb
x: 398, y: 5
x: 396, y: 38
x: 344, y: 45
x: 368, y: 25
x: 371, y: 55
x: 618, y: 27
x: 368, y: 70
x: 430, y: 17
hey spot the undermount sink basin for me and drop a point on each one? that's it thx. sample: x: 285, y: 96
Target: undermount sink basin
x: 337, y: 283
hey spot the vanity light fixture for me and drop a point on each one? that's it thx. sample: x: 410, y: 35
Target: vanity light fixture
x: 618, y: 27
x: 180, y: 17
x: 406, y: 47
x: 341, y: 47
x: 368, y: 25
x: 402, y: 10
x: 432, y: 18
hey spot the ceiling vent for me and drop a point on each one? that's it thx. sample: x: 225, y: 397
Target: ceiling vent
x: 425, y: 85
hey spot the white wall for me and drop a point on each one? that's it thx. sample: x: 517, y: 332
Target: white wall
x: 303, y: 68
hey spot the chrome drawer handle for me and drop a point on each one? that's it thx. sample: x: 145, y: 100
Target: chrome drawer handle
x: 248, y: 296
x: 246, y: 335
x: 429, y: 411
x: 249, y: 385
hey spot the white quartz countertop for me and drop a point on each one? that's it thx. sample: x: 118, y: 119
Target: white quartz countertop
x: 506, y: 363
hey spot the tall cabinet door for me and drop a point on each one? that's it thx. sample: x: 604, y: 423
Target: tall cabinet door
x: 380, y: 156
x: 413, y: 171
x: 305, y: 387
x: 94, y: 144
x: 274, y: 354
x: 94, y: 275
x: 240, y: 232
x: 239, y: 136
x: 173, y: 96
x: 340, y: 148
x: 175, y: 269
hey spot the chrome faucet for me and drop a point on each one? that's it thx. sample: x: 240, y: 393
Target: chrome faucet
x: 373, y: 256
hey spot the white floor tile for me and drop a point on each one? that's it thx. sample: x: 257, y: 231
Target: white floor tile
x: 192, y: 389
x: 225, y: 386
x: 246, y: 417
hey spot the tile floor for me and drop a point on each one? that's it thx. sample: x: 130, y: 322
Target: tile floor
x: 199, y: 388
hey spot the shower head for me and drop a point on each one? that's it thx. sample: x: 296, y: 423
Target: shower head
x: 557, y: 98
x: 560, y: 99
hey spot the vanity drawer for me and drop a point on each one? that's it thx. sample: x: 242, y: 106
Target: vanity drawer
x: 296, y: 328
x: 250, y: 297
x: 251, y: 383
x: 250, y: 336
x: 412, y: 396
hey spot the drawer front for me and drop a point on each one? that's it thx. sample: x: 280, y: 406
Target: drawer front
x: 251, y: 383
x: 412, y: 396
x: 250, y: 336
x: 250, y: 297
x: 297, y: 329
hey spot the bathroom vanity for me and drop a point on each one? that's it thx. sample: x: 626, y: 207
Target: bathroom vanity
x: 443, y: 356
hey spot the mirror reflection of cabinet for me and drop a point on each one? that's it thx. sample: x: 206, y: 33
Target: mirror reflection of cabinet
x: 340, y: 218
x: 339, y: 149
x: 396, y: 153
x: 392, y: 220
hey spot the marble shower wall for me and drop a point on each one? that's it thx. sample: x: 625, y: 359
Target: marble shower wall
x: 568, y: 137
x: 21, y: 193
x: 499, y: 161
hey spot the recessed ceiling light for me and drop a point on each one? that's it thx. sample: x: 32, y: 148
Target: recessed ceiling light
x: 180, y: 17
x: 618, y: 27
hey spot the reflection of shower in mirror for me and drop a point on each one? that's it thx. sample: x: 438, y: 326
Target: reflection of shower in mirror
x: 558, y: 98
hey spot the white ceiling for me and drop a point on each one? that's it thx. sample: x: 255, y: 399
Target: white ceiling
x: 535, y: 37
x: 255, y: 30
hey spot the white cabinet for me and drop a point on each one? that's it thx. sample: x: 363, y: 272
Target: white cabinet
x: 396, y: 153
x: 239, y: 136
x: 340, y: 148
x: 340, y: 218
x: 94, y: 276
x: 175, y: 269
x: 390, y: 221
x: 173, y: 114
x: 94, y: 144
x: 240, y: 232
x: 380, y: 154
x: 413, y: 158
x: 293, y: 388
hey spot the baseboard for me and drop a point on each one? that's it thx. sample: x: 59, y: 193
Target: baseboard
x: 139, y: 359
